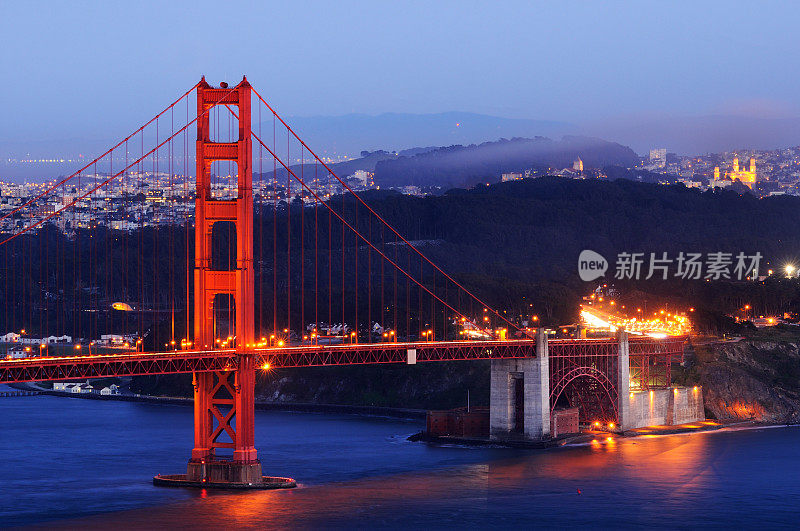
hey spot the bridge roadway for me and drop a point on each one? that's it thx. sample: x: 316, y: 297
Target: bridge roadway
x: 186, y: 361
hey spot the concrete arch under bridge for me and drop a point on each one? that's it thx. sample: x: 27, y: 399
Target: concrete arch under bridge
x: 608, y: 380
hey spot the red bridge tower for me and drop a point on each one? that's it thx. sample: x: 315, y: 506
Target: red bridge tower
x: 224, y: 400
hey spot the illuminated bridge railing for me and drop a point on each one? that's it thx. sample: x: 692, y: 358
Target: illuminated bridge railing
x: 145, y: 363
x: 125, y: 364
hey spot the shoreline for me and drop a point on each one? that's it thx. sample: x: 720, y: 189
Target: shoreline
x: 587, y: 438
x: 413, y: 414
x: 298, y: 407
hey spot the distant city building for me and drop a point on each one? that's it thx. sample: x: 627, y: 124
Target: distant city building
x: 364, y: 178
x: 746, y: 177
x: 84, y: 388
x: 18, y: 353
x: 112, y: 339
x: 10, y: 337
x: 658, y: 157
x: 112, y: 389
x: 511, y: 177
x: 577, y: 165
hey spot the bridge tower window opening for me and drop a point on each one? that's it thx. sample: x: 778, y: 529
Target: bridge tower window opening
x: 224, y: 180
x: 223, y: 246
x: 224, y: 323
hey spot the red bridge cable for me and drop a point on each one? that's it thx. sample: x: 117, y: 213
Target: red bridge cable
x: 89, y: 164
x: 302, y: 247
x: 344, y: 184
x: 105, y: 182
x: 355, y: 231
x: 288, y: 242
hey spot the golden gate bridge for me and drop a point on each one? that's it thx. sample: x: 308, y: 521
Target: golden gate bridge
x: 284, y: 252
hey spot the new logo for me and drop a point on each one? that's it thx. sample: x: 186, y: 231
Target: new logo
x: 591, y: 265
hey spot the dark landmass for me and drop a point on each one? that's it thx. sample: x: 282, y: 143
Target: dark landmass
x: 423, y: 386
x: 757, y: 377
x: 515, y: 244
x: 458, y: 166
x: 466, y: 165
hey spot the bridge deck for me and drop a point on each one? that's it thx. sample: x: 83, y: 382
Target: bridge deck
x: 143, y: 363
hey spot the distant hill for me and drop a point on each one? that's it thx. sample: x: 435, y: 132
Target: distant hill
x: 458, y: 165
x: 351, y: 133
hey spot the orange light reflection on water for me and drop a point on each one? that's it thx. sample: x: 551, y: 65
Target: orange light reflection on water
x: 677, y: 463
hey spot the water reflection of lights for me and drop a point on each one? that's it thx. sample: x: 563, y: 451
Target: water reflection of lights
x: 678, y: 465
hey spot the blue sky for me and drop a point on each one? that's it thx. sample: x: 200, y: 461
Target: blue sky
x: 90, y: 69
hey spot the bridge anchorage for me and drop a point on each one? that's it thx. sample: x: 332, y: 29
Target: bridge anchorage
x: 369, y: 298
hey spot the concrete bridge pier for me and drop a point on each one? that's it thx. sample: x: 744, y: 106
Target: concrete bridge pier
x: 653, y: 407
x: 624, y: 419
x: 519, y: 399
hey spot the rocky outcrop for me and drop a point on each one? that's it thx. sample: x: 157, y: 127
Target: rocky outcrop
x: 749, y: 379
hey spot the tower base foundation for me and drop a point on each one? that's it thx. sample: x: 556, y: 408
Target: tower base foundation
x: 222, y: 474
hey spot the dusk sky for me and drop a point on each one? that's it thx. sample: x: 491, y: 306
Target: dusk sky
x: 97, y: 69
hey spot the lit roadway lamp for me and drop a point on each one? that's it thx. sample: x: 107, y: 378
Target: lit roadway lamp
x: 790, y: 269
